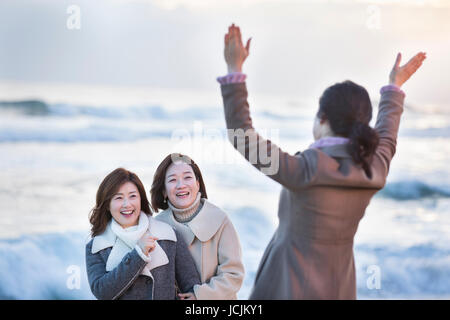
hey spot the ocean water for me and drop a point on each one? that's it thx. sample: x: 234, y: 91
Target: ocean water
x: 55, y: 150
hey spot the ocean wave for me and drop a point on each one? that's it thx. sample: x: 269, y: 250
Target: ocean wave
x: 412, y: 190
x: 101, y: 130
x: 52, y: 266
x: 417, y: 272
x: 41, y: 108
x: 38, y: 121
x: 93, y: 133
x: 26, y: 107
x: 424, y: 133
x: 41, y: 266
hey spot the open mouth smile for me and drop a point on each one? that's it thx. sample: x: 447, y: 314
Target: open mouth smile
x: 183, y: 195
x: 127, y: 212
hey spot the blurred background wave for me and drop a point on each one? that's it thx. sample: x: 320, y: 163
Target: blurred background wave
x: 137, y: 81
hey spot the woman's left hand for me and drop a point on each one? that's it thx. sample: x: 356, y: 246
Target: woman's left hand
x: 187, y: 296
x: 400, y: 74
x: 235, y: 53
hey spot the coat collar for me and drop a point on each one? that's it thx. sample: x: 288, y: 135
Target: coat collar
x: 104, y: 240
x: 204, y: 225
x: 336, y: 151
x: 157, y: 229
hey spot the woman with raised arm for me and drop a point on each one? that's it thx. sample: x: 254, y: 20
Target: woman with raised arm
x: 325, y: 188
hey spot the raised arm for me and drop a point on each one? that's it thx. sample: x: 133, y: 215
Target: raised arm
x: 391, y: 107
x: 291, y: 171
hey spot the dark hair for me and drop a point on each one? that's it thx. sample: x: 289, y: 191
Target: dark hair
x: 100, y: 214
x: 158, y: 186
x: 348, y: 109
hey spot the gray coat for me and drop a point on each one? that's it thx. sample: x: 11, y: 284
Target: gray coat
x: 125, y: 281
x: 324, y: 196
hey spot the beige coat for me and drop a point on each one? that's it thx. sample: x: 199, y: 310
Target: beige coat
x: 215, y: 247
x: 324, y: 196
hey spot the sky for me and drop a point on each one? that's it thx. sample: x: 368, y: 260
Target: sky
x: 298, y: 47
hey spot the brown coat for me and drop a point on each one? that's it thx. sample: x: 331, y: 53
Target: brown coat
x: 324, y: 196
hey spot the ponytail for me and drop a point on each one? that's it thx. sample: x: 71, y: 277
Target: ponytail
x: 348, y: 109
x: 363, y: 143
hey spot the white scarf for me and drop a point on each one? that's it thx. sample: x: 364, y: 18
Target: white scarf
x: 132, y: 234
x: 127, y: 240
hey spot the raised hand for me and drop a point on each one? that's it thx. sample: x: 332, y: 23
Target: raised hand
x: 235, y: 53
x: 399, y: 75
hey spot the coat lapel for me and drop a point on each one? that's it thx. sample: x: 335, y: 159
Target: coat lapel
x: 104, y: 240
x: 167, y: 217
x: 204, y: 226
x: 162, y: 231
x: 119, y: 249
x: 207, y: 221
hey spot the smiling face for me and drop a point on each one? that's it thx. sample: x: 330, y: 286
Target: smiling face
x: 181, y: 185
x: 125, y: 205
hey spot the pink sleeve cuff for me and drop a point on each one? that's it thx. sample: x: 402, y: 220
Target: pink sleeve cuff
x: 233, y: 77
x: 391, y: 87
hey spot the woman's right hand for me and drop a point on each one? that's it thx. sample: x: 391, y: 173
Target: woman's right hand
x: 399, y: 75
x: 235, y: 53
x: 147, y: 243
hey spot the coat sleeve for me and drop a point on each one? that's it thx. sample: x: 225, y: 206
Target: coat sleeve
x: 292, y: 171
x: 185, y: 271
x: 109, y: 285
x: 230, y: 270
x: 388, y: 120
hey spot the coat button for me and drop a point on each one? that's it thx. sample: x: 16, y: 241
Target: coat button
x: 127, y: 260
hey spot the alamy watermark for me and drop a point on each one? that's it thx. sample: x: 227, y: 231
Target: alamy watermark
x: 73, y: 281
x: 212, y: 146
x: 74, y: 20
x: 374, y: 280
x: 373, y: 21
